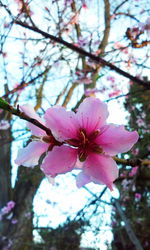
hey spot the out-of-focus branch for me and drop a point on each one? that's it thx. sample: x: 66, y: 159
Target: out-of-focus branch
x: 69, y: 94
x: 132, y: 162
x: 85, y: 53
x: 104, y: 41
x: 25, y: 84
x: 128, y: 228
x: 120, y: 5
x: 6, y: 106
x: 77, y: 26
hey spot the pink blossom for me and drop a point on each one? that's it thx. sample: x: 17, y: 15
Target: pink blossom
x: 6, y: 209
x: 82, y: 41
x: 83, y: 135
x: 90, y: 92
x: 84, y: 80
x: 11, y: 204
x: 115, y: 93
x: 145, y: 26
x: 140, y: 122
x: 135, y: 151
x: 84, y: 6
x: 111, y: 79
x: 138, y: 196
x: 133, y: 171
x: 124, y: 174
x: 121, y: 46
x: 126, y: 184
x: 14, y: 221
x: 67, y: 1
x: 4, y: 124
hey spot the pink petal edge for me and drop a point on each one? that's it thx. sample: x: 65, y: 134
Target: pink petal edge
x: 29, y: 110
x: 92, y: 114
x: 59, y: 161
x: 29, y: 156
x: 102, y: 168
x: 62, y: 123
x: 115, y: 139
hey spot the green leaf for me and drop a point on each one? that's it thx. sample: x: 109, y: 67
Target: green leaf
x: 4, y: 105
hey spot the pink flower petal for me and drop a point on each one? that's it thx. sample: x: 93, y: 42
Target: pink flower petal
x: 29, y: 156
x: 92, y: 114
x: 82, y: 179
x: 29, y: 110
x: 102, y: 168
x: 62, y: 123
x: 115, y: 139
x: 59, y: 161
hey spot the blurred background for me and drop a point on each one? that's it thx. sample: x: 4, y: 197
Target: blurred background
x: 34, y: 69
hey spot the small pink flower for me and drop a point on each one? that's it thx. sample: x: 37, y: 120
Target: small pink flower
x: 138, y: 196
x: 85, y: 80
x: 135, y: 151
x: 84, y: 6
x: 115, y: 93
x: 124, y: 174
x: 14, y: 221
x: 82, y: 41
x: 85, y: 136
x: 121, y: 47
x: 4, y: 125
x: 90, y: 92
x: 133, y: 171
x: 140, y: 122
x: 111, y: 79
x: 147, y: 26
x: 5, y: 210
x: 11, y: 204
x: 126, y: 184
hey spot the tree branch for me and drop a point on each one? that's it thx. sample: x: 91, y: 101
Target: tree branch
x: 128, y: 228
x: 85, y: 53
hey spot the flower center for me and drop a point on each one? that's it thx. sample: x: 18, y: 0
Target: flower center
x: 86, y: 144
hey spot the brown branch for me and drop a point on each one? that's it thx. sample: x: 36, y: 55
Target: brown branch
x: 104, y: 41
x: 85, y: 53
x: 132, y: 162
x: 120, y: 5
x: 128, y: 228
x: 126, y: 14
x: 24, y: 84
x: 25, y: 117
x: 69, y: 94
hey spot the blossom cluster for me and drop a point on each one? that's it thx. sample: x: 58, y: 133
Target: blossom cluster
x: 7, y: 209
x: 83, y: 137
